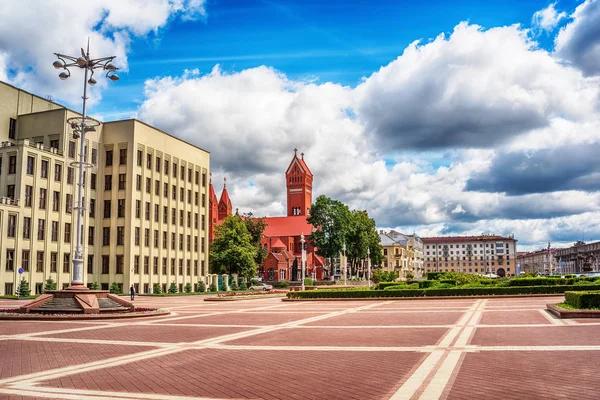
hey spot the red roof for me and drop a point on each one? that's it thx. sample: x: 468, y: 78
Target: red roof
x: 225, y: 198
x: 448, y: 239
x: 211, y: 194
x: 278, y: 244
x: 287, y: 226
x: 302, y: 164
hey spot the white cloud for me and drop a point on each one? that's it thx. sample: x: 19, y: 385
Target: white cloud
x: 63, y: 26
x: 579, y: 41
x: 547, y: 18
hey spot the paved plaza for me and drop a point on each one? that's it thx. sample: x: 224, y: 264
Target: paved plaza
x: 265, y: 348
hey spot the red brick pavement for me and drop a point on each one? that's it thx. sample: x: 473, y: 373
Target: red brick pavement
x: 23, y: 327
x: 513, y: 318
x: 391, y: 318
x: 245, y: 319
x: 256, y: 374
x: 538, y: 336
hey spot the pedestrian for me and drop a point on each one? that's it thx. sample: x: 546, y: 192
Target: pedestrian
x: 132, y: 292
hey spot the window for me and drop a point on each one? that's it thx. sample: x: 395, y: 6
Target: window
x: 138, y: 182
x: 70, y: 175
x: 189, y: 242
x: 181, y: 218
x: 147, y: 237
x: 136, y: 264
x: 195, y: 267
x: 41, y: 229
x: 93, y: 181
x: 105, y: 236
x: 203, y: 180
x: 155, y: 266
x: 120, y: 235
x: 174, y: 170
x: 196, y: 221
x: 157, y: 164
x: 44, y: 169
x: 66, y: 262
x: 173, y: 216
x: 164, y: 265
x: 119, y: 268
x: 12, y: 134
x: 189, y: 197
x: 147, y: 211
x: 42, y: 199
x: 149, y: 161
x: 166, y: 166
x: 146, y: 264
x: 172, y: 241
x: 109, y: 158
x: 25, y: 260
x: 164, y: 240
x: 181, y: 194
x: 30, y: 165
x: 107, y: 208
x: 71, y: 149
x: 107, y: 182
x: 53, y: 262
x: 202, y: 246
x: 166, y: 191
x: 157, y: 187
x: 94, y: 156
x: 181, y: 241
x: 67, y: 237
x: 39, y: 261
x: 203, y: 223
x: 187, y: 267
x: 69, y: 204
x: 10, y: 191
x: 105, y: 264
x: 10, y: 259
x: 139, y: 158
x: 165, y: 215
x: 189, y: 219
x: 156, y: 213
x: 28, y: 194
x: 121, y: 181
x: 174, y: 197
x: 12, y: 223
x: 189, y: 175
x: 138, y: 206
x: 91, y: 236
x: 156, y: 238
x: 92, y: 208
x: 203, y: 200
x: 26, y: 228
x: 54, y: 232
x: 182, y: 175
x: 122, y: 156
x: 12, y: 165
x: 90, y: 264
x: 172, y: 266
x: 121, y: 208
x: 137, y: 236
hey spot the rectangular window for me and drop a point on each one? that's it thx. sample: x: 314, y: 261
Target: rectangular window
x: 10, y: 191
x: 173, y: 216
x: 107, y: 182
x: 119, y: 267
x: 41, y: 229
x: 146, y: 264
x: 189, y: 242
x: 156, y: 213
x: 70, y: 175
x: 189, y: 175
x: 181, y: 194
x: 166, y: 166
x: 44, y: 169
x: 174, y: 197
x: 107, y: 206
x: 67, y: 237
x: 203, y: 223
x: 164, y: 265
x: 109, y: 158
x: 137, y: 236
x: 166, y: 190
x: 182, y: 176
x: 181, y: 218
x: 149, y: 161
x: 12, y: 224
x: 155, y: 266
x: 30, y: 165
x: 203, y: 179
x: 157, y: 164
x: 195, y: 267
x: 42, y: 199
x: 53, y: 262
x: 69, y: 204
x: 138, y: 182
x: 120, y: 235
x: 148, y: 185
x: 91, y: 236
x: 196, y: 244
x: 181, y: 241
x: 121, y: 208
x: 12, y: 134
x: 92, y: 208
x: 57, y: 172
x: 26, y: 228
x: 71, y: 149
x: 105, y: 265
x: 28, y: 195
x: 90, y: 264
x: 139, y: 158
x: 165, y: 215
x: 156, y: 238
x: 187, y: 267
x: 39, y: 261
x: 25, y: 260
x: 203, y: 200
x: 136, y: 264
x: 54, y: 232
x: 93, y: 181
x: 10, y: 259
x: 189, y: 219
x: 164, y: 240
x: 105, y: 236
x: 94, y: 157
x: 174, y: 170
x: 189, y: 197
x: 121, y: 181
x: 122, y: 156
x: 180, y: 266
x: 67, y: 262
x: 172, y: 241
x: 147, y: 237
x: 147, y: 211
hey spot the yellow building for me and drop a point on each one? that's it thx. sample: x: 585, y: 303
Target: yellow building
x: 145, y: 194
x: 402, y: 253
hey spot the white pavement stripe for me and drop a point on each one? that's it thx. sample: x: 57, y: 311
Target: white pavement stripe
x: 551, y: 317
x: 414, y: 382
x: 441, y: 377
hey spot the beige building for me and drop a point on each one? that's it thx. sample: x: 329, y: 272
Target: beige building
x: 540, y: 261
x: 145, y: 199
x: 483, y: 254
x: 402, y: 253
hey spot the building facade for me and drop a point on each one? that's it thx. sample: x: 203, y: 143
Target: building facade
x: 484, y: 254
x: 402, y: 254
x: 580, y: 258
x: 145, y: 207
x: 540, y: 261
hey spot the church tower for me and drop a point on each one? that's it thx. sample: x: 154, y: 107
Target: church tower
x: 225, y: 207
x: 299, y: 186
x: 213, y: 211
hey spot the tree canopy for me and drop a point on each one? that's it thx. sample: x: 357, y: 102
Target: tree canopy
x: 256, y: 227
x: 233, y: 250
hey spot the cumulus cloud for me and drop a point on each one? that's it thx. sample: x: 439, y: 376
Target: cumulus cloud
x: 579, y: 41
x: 63, y: 26
x: 475, y: 88
x: 547, y: 18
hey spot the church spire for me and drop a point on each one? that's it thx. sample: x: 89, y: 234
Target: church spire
x: 225, y: 206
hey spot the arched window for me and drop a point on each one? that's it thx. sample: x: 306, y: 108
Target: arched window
x: 271, y: 273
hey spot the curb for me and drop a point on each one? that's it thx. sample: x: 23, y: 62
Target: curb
x: 563, y: 313
x: 80, y: 317
x: 497, y: 296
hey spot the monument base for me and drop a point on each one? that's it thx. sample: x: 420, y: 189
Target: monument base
x: 77, y: 300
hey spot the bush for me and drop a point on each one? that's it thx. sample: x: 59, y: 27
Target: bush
x: 461, y: 278
x: 583, y: 300
x: 282, y: 284
x: 23, y: 289
x: 95, y: 286
x: 431, y: 276
x: 243, y: 285
x: 172, y: 288
x: 201, y: 286
x: 188, y: 288
x: 426, y: 284
x: 157, y: 288
x: 383, y: 285
x: 308, y: 281
x: 234, y: 285
x: 455, y: 291
x: 114, y: 288
x: 451, y: 282
x: 49, y: 285
x: 540, y: 281
x: 213, y: 287
x: 570, y: 276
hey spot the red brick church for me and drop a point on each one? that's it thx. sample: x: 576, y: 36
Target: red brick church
x: 281, y: 237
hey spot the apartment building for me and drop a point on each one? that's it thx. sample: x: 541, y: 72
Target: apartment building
x: 145, y: 200
x: 482, y: 254
x: 541, y: 261
x: 402, y: 253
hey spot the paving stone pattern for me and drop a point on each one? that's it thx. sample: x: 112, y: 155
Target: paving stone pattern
x: 266, y: 348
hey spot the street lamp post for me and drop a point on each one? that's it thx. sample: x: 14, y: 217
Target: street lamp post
x: 303, y: 259
x: 82, y: 125
x: 343, y: 263
x: 369, y: 265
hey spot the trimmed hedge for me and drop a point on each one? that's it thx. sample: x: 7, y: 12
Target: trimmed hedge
x: 426, y: 284
x: 383, y: 285
x: 449, y: 281
x: 583, y: 300
x: 432, y: 276
x: 475, y: 291
x: 540, y: 281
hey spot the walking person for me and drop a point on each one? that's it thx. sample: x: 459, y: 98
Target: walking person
x: 132, y: 292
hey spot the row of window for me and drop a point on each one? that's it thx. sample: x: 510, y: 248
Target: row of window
x: 158, y: 164
x: 469, y: 258
x: 41, y: 231
x: 147, y: 211
x: 439, y: 246
x: 165, y: 240
x: 30, y: 168
x: 25, y: 261
x: 138, y: 186
x: 500, y: 262
x: 165, y: 266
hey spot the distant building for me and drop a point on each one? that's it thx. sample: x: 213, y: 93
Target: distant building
x: 471, y: 254
x: 402, y: 253
x: 579, y: 258
x: 539, y: 261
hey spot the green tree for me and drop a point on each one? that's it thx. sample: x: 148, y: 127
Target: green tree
x: 49, y: 285
x: 157, y: 288
x: 95, y: 286
x: 234, y: 285
x: 331, y: 218
x: 232, y: 251
x: 256, y: 227
x: 201, y: 287
x: 213, y: 287
x: 173, y: 288
x: 188, y: 288
x: 114, y: 288
x: 361, y: 236
x: 23, y: 290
